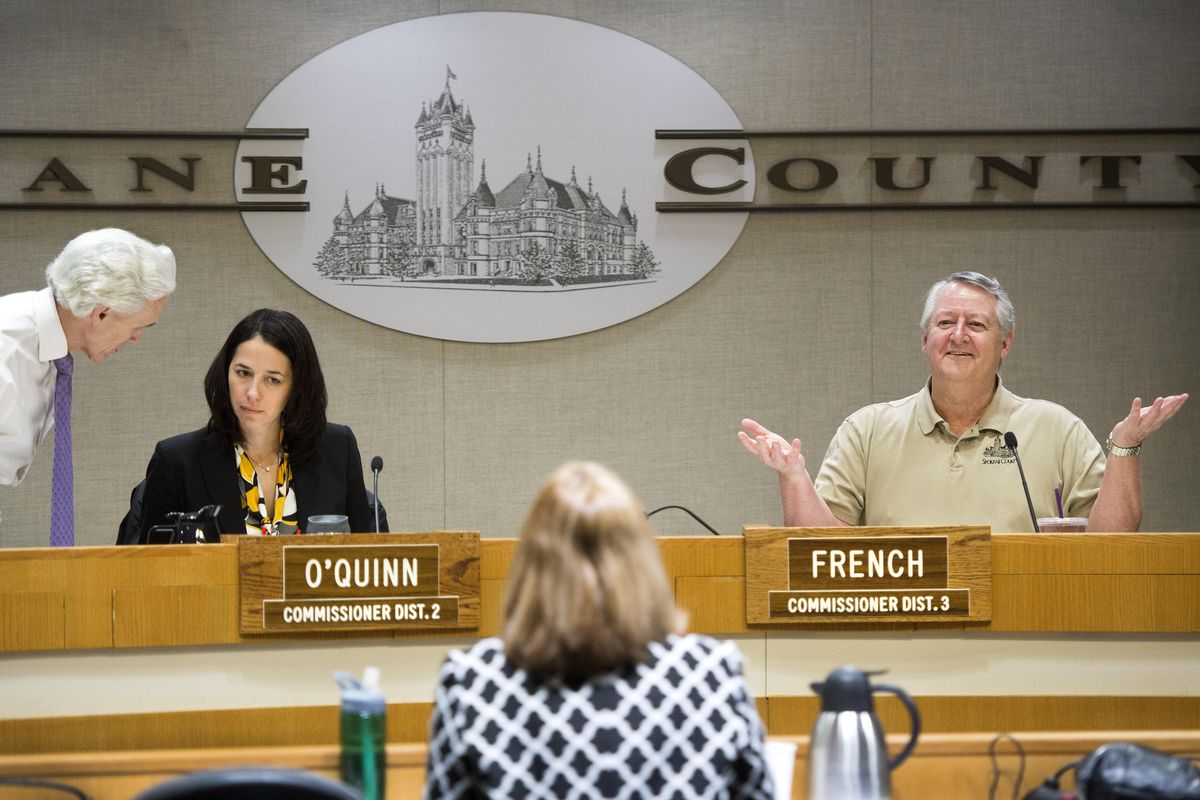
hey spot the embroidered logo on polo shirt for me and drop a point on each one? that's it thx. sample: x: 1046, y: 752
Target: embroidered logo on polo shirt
x: 997, y: 452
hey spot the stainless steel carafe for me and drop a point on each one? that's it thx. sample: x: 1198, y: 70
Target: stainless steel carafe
x: 847, y: 759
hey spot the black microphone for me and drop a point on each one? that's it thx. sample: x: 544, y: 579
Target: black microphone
x: 688, y: 511
x: 1010, y: 440
x: 377, y: 467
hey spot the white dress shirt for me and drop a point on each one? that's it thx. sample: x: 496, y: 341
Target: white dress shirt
x: 31, y: 337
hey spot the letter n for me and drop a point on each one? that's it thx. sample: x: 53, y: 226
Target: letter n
x: 187, y: 181
x: 1194, y: 163
x: 1029, y: 177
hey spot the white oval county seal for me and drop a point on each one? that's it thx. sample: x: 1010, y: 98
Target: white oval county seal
x: 491, y: 177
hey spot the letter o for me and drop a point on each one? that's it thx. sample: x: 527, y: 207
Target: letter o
x: 313, y: 564
x: 827, y: 175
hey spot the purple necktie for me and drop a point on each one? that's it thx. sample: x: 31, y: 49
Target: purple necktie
x: 62, y: 493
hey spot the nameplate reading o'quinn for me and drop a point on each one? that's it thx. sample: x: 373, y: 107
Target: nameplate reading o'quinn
x: 359, y: 582
x: 392, y: 570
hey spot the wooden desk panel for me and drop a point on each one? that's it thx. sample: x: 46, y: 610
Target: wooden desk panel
x: 1119, y: 603
x: 949, y: 714
x: 240, y: 727
x: 186, y: 615
x: 120, y: 775
x: 409, y: 722
x: 941, y: 766
x: 102, y: 597
x: 32, y: 621
x: 1096, y: 553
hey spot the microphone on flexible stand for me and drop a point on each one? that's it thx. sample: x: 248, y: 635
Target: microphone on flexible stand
x: 1010, y: 440
x: 377, y: 467
x: 687, y: 511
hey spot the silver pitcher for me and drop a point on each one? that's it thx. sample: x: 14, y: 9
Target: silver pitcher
x: 847, y: 759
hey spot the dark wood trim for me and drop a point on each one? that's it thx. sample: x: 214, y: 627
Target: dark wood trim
x: 249, y: 133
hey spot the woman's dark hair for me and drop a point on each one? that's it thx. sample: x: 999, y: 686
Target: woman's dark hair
x: 304, y: 415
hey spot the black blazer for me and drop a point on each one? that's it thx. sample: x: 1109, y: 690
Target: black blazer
x: 188, y: 472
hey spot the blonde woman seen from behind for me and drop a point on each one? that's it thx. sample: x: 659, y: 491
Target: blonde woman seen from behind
x: 593, y: 691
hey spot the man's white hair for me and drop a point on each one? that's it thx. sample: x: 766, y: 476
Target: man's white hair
x: 1006, y: 315
x: 110, y: 267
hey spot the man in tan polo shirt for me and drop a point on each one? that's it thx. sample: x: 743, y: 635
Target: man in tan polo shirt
x: 939, y: 457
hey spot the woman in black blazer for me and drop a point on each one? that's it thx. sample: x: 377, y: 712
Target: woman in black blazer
x: 268, y: 456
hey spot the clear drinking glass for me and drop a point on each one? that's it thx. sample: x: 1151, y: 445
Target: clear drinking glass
x: 328, y: 523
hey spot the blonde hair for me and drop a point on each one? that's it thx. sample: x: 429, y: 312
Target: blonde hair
x: 587, y: 591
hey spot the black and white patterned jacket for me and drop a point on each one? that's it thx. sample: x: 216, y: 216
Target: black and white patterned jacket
x: 681, y: 726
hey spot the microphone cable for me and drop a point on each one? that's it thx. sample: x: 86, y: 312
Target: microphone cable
x: 1049, y: 790
x: 996, y: 765
x: 687, y: 511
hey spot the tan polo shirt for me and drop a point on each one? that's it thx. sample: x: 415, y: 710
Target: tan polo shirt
x: 898, y: 464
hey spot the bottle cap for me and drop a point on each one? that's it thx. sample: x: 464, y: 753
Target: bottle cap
x: 363, y: 697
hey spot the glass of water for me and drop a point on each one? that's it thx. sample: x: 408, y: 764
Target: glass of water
x: 328, y: 523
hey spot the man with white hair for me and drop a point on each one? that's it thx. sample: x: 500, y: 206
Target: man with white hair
x: 939, y: 457
x: 103, y: 290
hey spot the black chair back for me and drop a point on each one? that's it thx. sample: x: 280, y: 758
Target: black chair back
x: 130, y: 529
x: 251, y: 783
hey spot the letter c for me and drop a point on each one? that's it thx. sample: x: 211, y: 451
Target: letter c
x: 678, y: 171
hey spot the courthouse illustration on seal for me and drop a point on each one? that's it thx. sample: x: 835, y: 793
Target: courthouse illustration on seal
x: 537, y: 232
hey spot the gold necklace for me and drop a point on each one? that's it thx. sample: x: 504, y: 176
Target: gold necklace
x: 267, y: 470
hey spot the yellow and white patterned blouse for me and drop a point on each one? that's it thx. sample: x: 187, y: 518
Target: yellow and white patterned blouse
x: 261, y: 521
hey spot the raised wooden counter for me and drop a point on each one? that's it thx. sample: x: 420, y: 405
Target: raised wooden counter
x: 1085, y: 589
x: 116, y: 597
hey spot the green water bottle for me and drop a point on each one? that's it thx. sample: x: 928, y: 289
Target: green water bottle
x: 363, y: 733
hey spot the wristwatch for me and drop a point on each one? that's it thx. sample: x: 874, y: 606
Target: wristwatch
x: 1114, y: 450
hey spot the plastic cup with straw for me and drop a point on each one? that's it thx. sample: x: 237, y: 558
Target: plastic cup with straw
x: 1062, y: 523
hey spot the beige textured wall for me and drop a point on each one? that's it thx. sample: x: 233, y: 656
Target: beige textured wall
x: 806, y: 319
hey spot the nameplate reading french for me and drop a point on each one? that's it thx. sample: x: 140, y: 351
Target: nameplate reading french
x: 359, y: 582
x: 822, y: 575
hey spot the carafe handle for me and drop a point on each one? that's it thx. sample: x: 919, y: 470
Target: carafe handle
x: 913, y: 714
